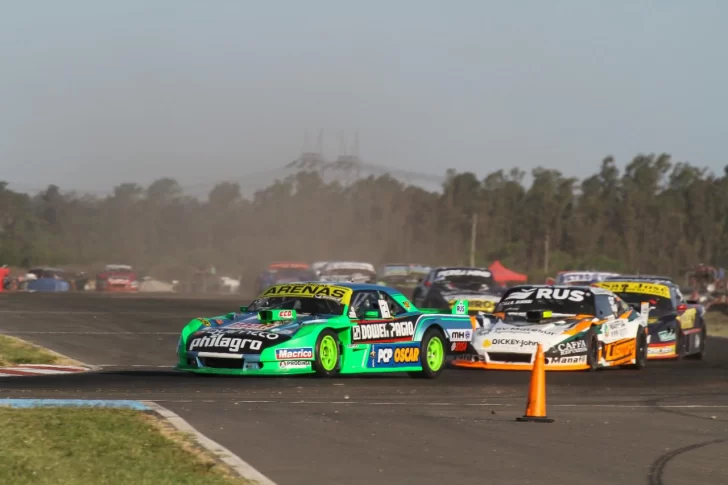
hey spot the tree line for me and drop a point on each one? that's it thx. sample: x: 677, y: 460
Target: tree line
x: 654, y: 216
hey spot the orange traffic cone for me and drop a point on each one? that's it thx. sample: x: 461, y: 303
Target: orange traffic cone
x: 536, y: 408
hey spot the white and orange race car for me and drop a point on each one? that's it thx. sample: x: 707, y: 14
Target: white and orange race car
x: 578, y: 327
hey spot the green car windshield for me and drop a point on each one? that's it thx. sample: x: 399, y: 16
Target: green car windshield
x: 302, y: 305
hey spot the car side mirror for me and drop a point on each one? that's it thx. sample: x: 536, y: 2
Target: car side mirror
x: 373, y: 314
x: 243, y: 309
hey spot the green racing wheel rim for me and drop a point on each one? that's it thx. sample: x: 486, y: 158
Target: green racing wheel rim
x: 435, y: 353
x: 328, y: 353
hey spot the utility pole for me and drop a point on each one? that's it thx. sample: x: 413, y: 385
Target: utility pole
x: 473, y: 228
x: 546, y: 255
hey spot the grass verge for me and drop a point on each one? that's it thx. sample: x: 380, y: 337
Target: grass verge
x: 92, y: 446
x: 717, y: 324
x: 14, y: 351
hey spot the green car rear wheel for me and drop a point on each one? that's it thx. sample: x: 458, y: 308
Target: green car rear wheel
x: 432, y: 355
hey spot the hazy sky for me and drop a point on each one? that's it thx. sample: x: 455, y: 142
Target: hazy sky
x: 95, y: 92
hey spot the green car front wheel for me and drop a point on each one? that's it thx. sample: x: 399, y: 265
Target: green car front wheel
x: 327, y: 360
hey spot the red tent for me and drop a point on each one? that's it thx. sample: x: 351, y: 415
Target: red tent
x: 503, y: 275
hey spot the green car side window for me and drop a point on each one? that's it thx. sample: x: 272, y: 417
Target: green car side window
x: 394, y: 307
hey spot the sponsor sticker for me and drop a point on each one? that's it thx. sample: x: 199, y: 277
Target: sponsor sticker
x: 483, y: 305
x: 573, y: 347
x: 219, y: 341
x: 285, y: 314
x: 310, y: 290
x: 254, y: 326
x: 521, y: 295
x: 382, y: 331
x: 294, y: 364
x: 619, y: 350
x: 664, y: 349
x: 574, y: 359
x: 615, y: 329
x: 459, y: 347
x: 204, y: 321
x: 645, y: 288
x: 396, y: 355
x: 510, y: 342
x: 524, y: 330
x: 294, y: 354
x: 548, y: 294
x: 460, y: 335
x: 464, y: 272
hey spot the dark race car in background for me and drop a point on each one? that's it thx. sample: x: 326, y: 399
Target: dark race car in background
x: 402, y: 276
x: 284, y: 272
x: 676, y: 327
x: 579, y: 278
x: 443, y: 286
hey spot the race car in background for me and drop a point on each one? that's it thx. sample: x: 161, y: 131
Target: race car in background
x: 324, y: 329
x: 117, y: 278
x: 443, y: 286
x: 317, y: 266
x: 676, y: 327
x: 283, y: 272
x: 402, y: 276
x: 348, y: 271
x: 578, y: 327
x: 580, y: 278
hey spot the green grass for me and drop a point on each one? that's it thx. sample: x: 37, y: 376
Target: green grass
x: 16, y: 351
x: 92, y: 446
x: 717, y: 324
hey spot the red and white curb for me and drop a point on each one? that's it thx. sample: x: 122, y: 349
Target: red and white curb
x: 39, y: 370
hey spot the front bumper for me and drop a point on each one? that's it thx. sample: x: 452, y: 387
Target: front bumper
x: 479, y: 362
x: 240, y: 365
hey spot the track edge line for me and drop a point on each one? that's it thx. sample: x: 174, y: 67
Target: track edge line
x: 243, y: 468
x: 76, y: 363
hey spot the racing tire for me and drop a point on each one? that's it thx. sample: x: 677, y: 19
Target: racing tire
x: 680, y: 344
x: 327, y: 360
x: 592, y: 351
x: 641, y: 351
x: 433, y: 350
x: 700, y: 354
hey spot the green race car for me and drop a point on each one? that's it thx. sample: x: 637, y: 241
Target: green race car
x: 326, y: 329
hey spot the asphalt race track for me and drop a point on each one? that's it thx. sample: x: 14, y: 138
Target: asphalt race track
x: 666, y: 424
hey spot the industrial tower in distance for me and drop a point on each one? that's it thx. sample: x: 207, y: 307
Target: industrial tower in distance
x: 349, y: 167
